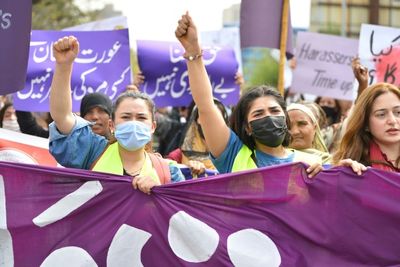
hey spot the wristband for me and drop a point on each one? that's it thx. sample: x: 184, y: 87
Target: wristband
x: 193, y: 57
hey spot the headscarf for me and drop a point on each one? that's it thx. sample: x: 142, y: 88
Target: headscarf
x: 194, y: 146
x: 318, y: 142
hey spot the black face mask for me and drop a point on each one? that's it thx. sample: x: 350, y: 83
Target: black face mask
x: 270, y: 130
x: 331, y: 113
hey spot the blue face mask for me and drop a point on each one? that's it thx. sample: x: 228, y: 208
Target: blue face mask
x: 132, y: 135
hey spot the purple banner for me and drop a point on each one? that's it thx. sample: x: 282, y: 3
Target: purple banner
x: 15, y: 28
x: 260, y: 24
x: 166, y: 75
x: 102, y: 65
x: 266, y: 217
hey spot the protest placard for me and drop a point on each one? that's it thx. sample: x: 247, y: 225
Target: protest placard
x: 15, y: 27
x: 379, y: 51
x: 102, y: 65
x: 167, y: 82
x: 324, y: 65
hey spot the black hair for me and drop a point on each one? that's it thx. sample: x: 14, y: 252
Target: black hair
x: 337, y: 107
x: 239, y: 121
x: 3, y: 112
x: 195, y: 112
x: 194, y: 116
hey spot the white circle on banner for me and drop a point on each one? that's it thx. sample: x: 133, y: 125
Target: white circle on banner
x: 6, y: 246
x: 126, y: 247
x: 191, y: 239
x: 69, y: 257
x: 250, y: 248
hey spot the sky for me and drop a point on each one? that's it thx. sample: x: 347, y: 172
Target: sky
x: 157, y: 19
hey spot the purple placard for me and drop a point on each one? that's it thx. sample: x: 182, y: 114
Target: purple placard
x: 166, y: 75
x: 102, y: 65
x: 324, y: 65
x: 260, y: 24
x: 265, y: 217
x: 15, y: 27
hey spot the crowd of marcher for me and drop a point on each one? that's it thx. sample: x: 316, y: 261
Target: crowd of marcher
x: 132, y: 137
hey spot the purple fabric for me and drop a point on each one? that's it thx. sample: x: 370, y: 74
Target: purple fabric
x: 15, y: 27
x: 102, y: 65
x: 337, y: 219
x: 260, y: 24
x: 166, y: 78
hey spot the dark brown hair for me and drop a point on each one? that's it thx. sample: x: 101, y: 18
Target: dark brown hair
x: 135, y: 95
x: 356, y: 140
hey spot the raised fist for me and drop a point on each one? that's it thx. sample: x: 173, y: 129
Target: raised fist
x: 66, y: 49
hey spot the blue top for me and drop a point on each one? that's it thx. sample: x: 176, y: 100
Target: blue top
x: 81, y: 147
x: 224, y: 163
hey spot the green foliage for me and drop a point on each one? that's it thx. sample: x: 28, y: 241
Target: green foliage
x: 259, y: 67
x: 58, y: 14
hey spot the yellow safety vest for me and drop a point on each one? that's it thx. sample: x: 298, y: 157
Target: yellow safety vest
x: 243, y: 160
x: 110, y: 162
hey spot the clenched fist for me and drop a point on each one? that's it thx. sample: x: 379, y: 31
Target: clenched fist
x: 65, y: 50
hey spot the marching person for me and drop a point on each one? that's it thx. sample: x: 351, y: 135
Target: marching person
x: 73, y: 143
x: 259, y: 121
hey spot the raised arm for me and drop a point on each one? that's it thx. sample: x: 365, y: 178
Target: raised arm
x: 65, y: 51
x: 215, y: 130
x: 361, y: 74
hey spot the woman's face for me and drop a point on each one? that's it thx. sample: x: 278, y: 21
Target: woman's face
x: 384, y: 120
x: 327, y: 102
x: 262, y: 107
x: 9, y: 114
x: 131, y: 109
x: 266, y: 122
x: 302, y: 130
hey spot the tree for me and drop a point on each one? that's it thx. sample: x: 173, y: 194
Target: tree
x: 259, y: 67
x: 58, y: 14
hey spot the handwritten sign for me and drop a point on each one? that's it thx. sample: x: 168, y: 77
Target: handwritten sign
x: 379, y: 51
x: 324, y: 65
x: 15, y: 26
x: 166, y: 74
x: 102, y: 65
